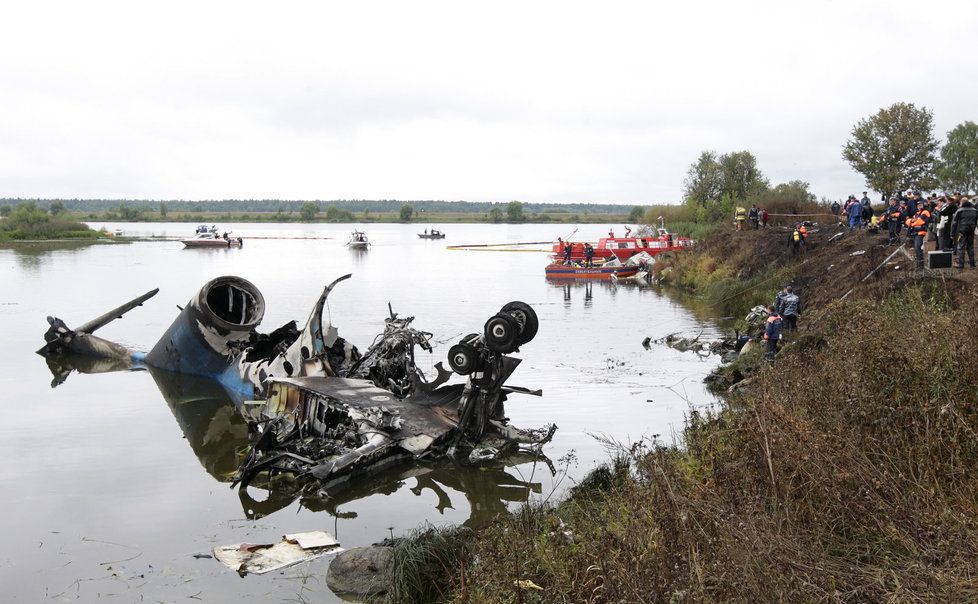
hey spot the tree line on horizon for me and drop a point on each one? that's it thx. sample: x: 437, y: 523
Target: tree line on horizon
x: 285, y: 206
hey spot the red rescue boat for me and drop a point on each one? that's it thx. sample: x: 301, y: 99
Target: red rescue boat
x: 624, y: 248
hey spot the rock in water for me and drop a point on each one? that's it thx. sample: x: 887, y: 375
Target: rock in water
x: 361, y: 571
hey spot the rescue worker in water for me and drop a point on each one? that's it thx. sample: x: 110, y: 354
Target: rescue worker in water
x: 917, y: 227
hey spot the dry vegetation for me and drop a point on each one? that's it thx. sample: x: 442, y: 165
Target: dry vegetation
x: 843, y: 472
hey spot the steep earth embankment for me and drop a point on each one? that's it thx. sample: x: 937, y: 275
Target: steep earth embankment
x: 844, y: 471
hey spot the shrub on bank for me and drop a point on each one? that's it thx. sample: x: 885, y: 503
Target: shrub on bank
x: 27, y: 221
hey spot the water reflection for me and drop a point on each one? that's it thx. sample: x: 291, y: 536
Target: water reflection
x: 487, y: 490
x: 583, y: 290
x: 218, y: 435
x: 32, y: 256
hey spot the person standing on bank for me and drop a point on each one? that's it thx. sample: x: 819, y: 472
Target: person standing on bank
x: 894, y: 218
x: 963, y: 229
x: 772, y: 333
x: 790, y: 309
x: 917, y: 227
x: 754, y: 215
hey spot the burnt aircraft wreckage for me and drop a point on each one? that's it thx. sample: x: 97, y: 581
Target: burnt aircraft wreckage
x: 316, y: 407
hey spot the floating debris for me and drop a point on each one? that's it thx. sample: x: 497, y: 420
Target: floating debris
x: 250, y: 558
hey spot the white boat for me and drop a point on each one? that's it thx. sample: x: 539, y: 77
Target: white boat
x: 358, y: 240
x: 209, y: 239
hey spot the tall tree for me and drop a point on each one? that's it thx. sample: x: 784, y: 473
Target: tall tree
x: 734, y: 175
x: 308, y: 211
x: 895, y: 148
x: 741, y: 177
x: 514, y: 211
x: 958, y: 167
x: 704, y: 180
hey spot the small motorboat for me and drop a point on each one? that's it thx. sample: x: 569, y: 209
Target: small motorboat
x: 575, y: 270
x: 210, y: 239
x: 358, y: 241
x: 433, y: 234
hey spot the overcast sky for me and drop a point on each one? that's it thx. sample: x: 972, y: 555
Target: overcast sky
x: 604, y: 102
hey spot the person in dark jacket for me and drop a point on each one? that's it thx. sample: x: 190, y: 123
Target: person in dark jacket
x: 772, y: 333
x: 790, y: 309
x: 835, y: 208
x: 894, y: 219
x: 588, y: 255
x: 754, y: 215
x: 963, y: 228
x: 796, y: 239
x: 567, y: 252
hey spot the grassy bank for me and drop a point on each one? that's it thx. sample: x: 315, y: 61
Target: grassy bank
x: 28, y: 222
x: 842, y: 472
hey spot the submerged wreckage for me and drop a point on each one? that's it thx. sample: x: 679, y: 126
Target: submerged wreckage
x: 317, y: 407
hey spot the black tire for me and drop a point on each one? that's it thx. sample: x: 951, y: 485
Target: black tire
x: 463, y: 359
x: 525, y: 315
x: 470, y: 339
x: 502, y: 333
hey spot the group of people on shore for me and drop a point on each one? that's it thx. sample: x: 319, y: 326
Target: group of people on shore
x: 757, y: 217
x: 948, y: 219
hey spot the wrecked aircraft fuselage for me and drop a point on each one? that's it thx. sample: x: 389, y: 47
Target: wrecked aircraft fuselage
x: 317, y: 408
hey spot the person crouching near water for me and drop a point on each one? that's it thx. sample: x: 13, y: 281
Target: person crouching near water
x: 772, y: 333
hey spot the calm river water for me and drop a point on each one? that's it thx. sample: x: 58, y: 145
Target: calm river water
x: 110, y: 489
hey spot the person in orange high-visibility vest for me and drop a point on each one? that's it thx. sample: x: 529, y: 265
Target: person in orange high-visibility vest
x: 917, y: 227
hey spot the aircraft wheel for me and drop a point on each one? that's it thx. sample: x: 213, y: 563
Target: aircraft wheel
x: 526, y: 316
x: 502, y: 333
x: 463, y: 359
